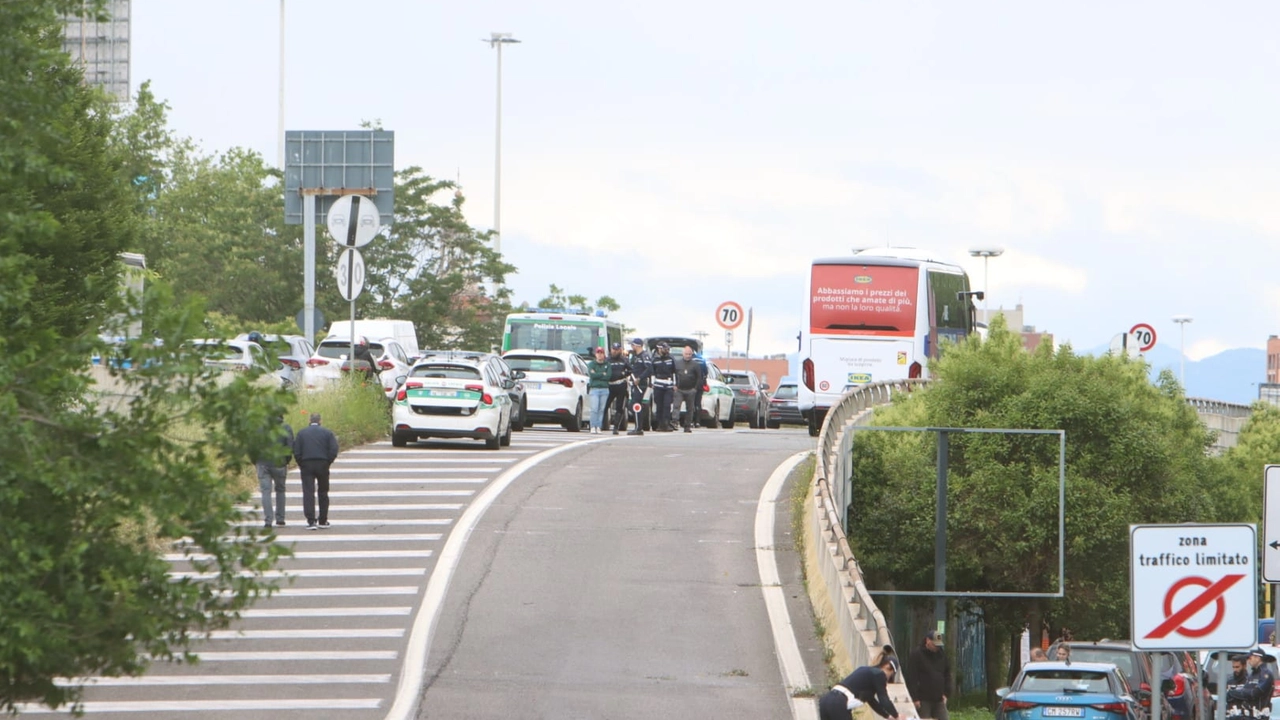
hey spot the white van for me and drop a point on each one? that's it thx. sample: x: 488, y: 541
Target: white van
x: 376, y: 329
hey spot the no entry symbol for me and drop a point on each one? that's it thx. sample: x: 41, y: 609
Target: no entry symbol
x: 1212, y: 593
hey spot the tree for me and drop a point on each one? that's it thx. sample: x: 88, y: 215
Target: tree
x: 93, y: 493
x: 436, y: 270
x: 558, y: 298
x: 1136, y: 453
x: 1257, y: 446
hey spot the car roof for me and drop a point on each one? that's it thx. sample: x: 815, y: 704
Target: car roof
x: 1059, y: 665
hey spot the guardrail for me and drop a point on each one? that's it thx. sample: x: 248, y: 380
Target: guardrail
x: 859, y: 627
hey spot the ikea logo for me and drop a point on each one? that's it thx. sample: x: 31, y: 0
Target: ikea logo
x: 862, y: 279
x: 860, y: 378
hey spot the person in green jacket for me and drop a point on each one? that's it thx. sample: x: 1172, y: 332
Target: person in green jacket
x: 598, y: 373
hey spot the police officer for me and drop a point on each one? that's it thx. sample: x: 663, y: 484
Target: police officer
x: 664, y: 373
x: 1261, y: 683
x: 619, y: 371
x: 1239, y: 697
x: 641, y: 375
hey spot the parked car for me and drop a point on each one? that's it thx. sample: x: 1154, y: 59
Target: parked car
x: 750, y: 397
x: 239, y: 356
x: 329, y: 362
x: 509, y: 379
x: 783, y: 409
x: 1090, y: 690
x: 1135, y: 664
x: 459, y: 397
x: 1210, y: 674
x: 555, y: 386
x: 717, y: 399
x: 292, y: 351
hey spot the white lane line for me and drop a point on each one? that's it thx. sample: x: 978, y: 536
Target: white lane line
x: 230, y: 680
x: 478, y: 452
x: 380, y: 507
x: 308, y: 655
x: 419, y: 645
x: 327, y: 612
x: 347, y: 481
x: 323, y: 555
x: 380, y: 537
x: 91, y: 708
x: 342, y: 591
x: 297, y: 497
x: 327, y: 634
x: 358, y: 471
x: 311, y: 573
x: 784, y: 635
x: 401, y: 460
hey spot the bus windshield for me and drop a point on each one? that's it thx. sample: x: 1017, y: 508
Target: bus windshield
x: 544, y: 334
x: 863, y: 299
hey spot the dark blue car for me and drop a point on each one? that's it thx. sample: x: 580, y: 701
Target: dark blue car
x: 1081, y: 690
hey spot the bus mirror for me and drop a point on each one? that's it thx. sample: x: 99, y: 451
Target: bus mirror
x: 976, y: 294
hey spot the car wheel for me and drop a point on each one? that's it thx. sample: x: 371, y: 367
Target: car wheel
x: 575, y: 425
x: 517, y: 424
x: 494, y: 442
x: 753, y: 422
x: 711, y: 420
x: 773, y: 425
x: 728, y: 424
x: 506, y: 437
x: 399, y: 440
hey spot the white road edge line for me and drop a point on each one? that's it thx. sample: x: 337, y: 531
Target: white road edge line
x: 775, y: 600
x: 415, y: 657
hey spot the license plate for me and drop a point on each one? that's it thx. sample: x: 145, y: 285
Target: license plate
x: 1064, y: 712
x: 444, y: 393
x: 533, y: 385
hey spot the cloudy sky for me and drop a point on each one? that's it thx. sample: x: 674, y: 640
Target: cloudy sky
x: 676, y: 155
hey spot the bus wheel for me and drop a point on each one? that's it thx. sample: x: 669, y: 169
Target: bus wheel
x: 813, y: 424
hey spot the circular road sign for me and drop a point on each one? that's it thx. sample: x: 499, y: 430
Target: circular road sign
x: 1146, y: 336
x: 729, y: 315
x: 353, y: 221
x: 350, y: 274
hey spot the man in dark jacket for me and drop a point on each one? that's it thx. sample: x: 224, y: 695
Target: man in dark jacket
x: 619, y: 371
x: 272, y: 469
x: 865, y: 686
x: 315, y: 448
x: 641, y: 374
x: 689, y: 377
x: 928, y: 676
x: 664, y: 374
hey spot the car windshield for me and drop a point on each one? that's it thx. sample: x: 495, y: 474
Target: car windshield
x: 338, y: 349
x: 786, y: 392
x: 217, y: 352
x: 1065, y: 681
x: 449, y: 372
x: 530, y: 363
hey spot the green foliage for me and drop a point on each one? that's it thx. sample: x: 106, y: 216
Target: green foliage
x: 1257, y: 446
x: 1135, y: 453
x: 355, y: 410
x: 558, y: 298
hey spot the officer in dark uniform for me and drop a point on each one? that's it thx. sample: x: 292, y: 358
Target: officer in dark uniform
x: 1261, y: 682
x: 641, y: 376
x: 619, y: 371
x: 664, y: 382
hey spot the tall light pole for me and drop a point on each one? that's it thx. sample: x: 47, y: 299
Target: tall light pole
x: 986, y: 254
x: 1182, y: 321
x: 497, y: 40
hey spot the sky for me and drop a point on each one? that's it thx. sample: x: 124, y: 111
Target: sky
x: 676, y: 155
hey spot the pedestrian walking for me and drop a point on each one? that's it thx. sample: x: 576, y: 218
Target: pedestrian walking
x: 315, y: 448
x: 865, y: 686
x: 689, y: 379
x: 641, y: 376
x: 598, y: 371
x: 619, y: 372
x: 929, y: 676
x: 272, y: 471
x: 664, y: 373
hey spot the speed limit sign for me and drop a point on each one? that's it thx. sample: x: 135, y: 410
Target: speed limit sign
x: 729, y: 315
x: 1145, y: 335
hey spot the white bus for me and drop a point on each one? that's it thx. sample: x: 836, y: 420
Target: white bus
x: 880, y: 314
x: 550, y: 329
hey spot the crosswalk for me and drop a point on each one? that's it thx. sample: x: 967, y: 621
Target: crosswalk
x: 330, y: 643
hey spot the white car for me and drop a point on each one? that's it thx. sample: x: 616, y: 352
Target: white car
x: 239, y: 356
x: 717, y: 399
x: 555, y: 384
x: 458, y: 398
x: 292, y: 351
x: 328, y: 363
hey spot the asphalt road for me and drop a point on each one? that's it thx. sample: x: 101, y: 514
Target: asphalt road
x: 621, y: 582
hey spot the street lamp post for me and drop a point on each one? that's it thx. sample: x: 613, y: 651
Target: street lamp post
x: 1182, y: 321
x: 986, y: 254
x: 497, y: 40
x: 280, y: 108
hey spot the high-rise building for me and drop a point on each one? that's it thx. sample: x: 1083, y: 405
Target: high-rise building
x: 101, y: 48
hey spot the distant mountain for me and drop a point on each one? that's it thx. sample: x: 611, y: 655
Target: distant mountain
x: 1230, y: 376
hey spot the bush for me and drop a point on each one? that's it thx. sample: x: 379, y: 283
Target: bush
x: 356, y: 411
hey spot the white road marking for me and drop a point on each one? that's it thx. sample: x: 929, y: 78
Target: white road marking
x: 297, y: 497
x: 310, y: 573
x: 357, y: 471
x: 229, y: 680
x: 326, y: 612
x: 381, y: 537
x: 784, y: 635
x: 281, y: 655
x: 319, y: 555
x: 338, y: 591
x: 326, y: 634
x: 93, y: 708
x: 401, y: 460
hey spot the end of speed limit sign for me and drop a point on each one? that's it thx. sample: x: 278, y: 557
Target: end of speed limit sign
x: 729, y: 315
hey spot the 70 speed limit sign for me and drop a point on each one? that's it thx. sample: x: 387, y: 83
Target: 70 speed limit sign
x: 729, y: 315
